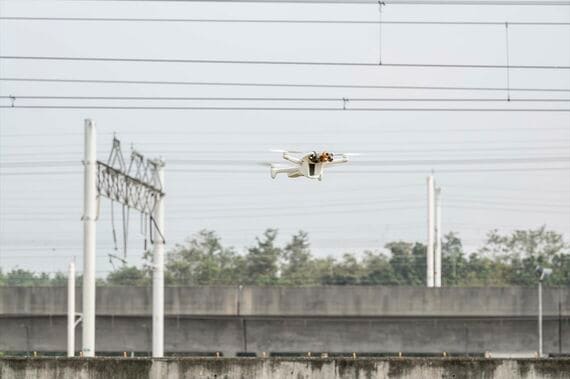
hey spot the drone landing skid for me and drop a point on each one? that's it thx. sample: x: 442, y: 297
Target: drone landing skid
x: 292, y: 172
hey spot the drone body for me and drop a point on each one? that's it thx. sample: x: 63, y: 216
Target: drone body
x: 310, y: 165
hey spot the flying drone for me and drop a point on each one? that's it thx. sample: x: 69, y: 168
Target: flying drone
x: 310, y: 165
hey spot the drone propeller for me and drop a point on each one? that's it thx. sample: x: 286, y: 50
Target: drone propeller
x: 349, y: 154
x: 287, y: 151
x: 271, y: 164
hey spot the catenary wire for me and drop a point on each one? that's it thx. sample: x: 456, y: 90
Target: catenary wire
x: 211, y: 171
x: 294, y: 85
x: 278, y: 62
x: 364, y: 2
x: 220, y: 145
x: 168, y: 154
x: 341, y: 109
x: 284, y: 99
x: 239, y: 162
x: 286, y: 21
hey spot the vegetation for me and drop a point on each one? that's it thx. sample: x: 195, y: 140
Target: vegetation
x: 504, y: 260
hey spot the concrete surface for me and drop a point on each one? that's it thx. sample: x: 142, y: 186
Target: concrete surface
x: 234, y: 320
x: 256, y: 368
x: 290, y: 301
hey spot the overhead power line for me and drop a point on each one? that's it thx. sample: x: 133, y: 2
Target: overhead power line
x: 383, y: 162
x: 392, y: 152
x: 284, y: 99
x: 294, y: 85
x: 283, y: 109
x: 375, y: 2
x: 234, y: 171
x: 285, y: 63
x: 287, y: 21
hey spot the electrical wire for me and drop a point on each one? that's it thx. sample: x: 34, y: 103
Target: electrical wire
x: 213, y: 108
x: 364, y: 2
x: 169, y: 154
x: 294, y: 85
x: 284, y: 99
x: 286, y: 63
x: 253, y: 205
x: 211, y: 171
x: 503, y: 209
x: 383, y: 163
x: 286, y: 21
x: 188, y: 146
x: 463, y: 200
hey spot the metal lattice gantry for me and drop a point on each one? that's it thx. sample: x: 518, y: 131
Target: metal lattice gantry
x: 139, y: 186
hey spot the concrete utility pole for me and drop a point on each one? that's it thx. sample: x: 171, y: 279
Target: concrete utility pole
x: 540, y: 318
x: 89, y: 220
x: 158, y: 273
x: 437, y: 263
x: 431, y: 229
x: 71, y: 310
x: 542, y: 274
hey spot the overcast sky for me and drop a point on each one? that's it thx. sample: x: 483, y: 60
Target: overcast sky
x: 360, y: 206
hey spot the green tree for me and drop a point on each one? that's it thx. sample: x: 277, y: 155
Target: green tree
x: 408, y: 262
x: 484, y: 271
x: 128, y: 276
x: 378, y: 269
x: 454, y: 264
x: 262, y: 260
x: 298, y: 267
x: 21, y: 277
x: 202, y: 260
x: 348, y: 271
x: 516, y: 255
x: 525, y: 243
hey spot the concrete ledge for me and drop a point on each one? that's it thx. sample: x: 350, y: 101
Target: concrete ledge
x: 258, y: 368
x: 327, y: 301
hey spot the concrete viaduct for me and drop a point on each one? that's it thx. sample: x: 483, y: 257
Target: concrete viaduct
x: 273, y: 320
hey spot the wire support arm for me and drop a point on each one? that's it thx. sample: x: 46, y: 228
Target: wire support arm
x: 126, y: 189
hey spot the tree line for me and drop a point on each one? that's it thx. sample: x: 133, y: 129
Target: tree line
x: 503, y: 260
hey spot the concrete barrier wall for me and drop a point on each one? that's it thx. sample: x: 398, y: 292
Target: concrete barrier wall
x: 332, y: 301
x: 320, y: 319
x: 332, y: 335
x: 253, y: 368
x: 400, y: 301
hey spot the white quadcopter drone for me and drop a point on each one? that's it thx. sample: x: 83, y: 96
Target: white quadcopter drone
x: 310, y: 165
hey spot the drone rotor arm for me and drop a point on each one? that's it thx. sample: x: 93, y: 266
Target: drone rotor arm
x: 291, y: 158
x: 339, y: 159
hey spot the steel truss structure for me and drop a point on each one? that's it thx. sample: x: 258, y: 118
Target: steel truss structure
x: 137, y: 186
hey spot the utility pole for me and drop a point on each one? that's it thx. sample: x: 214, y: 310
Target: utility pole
x: 431, y: 229
x: 437, y: 263
x: 89, y: 225
x: 542, y: 274
x: 71, y: 310
x: 136, y: 186
x: 158, y: 273
x: 540, y: 318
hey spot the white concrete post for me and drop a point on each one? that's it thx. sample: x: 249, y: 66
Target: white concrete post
x: 540, y: 318
x: 158, y: 275
x: 438, y: 235
x: 89, y: 220
x: 431, y: 229
x: 71, y: 310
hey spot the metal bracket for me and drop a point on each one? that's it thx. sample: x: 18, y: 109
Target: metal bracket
x: 79, y: 320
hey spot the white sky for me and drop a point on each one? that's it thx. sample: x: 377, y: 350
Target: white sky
x: 350, y: 210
